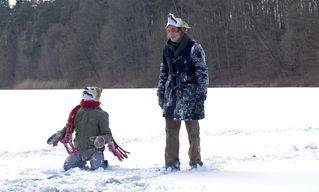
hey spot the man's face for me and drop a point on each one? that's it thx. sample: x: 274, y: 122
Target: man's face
x: 175, y: 34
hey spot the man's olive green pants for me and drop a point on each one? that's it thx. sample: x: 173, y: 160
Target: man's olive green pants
x: 172, y: 142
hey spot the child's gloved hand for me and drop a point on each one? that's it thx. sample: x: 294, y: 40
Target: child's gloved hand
x: 99, y: 142
x: 54, y: 139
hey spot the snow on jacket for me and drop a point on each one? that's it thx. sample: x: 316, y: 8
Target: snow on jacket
x: 183, y: 80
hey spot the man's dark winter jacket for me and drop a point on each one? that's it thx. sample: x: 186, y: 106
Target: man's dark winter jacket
x: 183, y: 80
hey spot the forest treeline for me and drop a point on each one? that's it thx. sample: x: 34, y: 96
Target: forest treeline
x: 118, y: 43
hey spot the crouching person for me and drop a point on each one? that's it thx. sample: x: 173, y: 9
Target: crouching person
x: 91, y: 126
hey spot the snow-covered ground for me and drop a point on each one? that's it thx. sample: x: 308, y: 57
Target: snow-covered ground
x: 253, y: 140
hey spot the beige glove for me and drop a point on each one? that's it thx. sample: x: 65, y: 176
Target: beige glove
x: 99, y: 142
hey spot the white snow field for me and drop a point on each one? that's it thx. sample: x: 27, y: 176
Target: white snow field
x: 252, y: 140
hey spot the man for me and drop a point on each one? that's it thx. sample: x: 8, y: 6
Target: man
x: 182, y: 90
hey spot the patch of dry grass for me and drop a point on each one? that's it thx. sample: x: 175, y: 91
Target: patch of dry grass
x: 35, y: 84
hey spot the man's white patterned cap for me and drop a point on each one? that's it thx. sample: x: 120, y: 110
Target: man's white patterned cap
x: 177, y: 22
